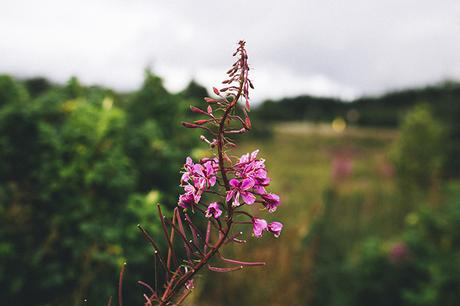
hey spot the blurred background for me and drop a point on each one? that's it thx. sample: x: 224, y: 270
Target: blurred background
x: 356, y: 109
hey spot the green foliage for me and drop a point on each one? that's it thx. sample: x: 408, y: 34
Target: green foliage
x: 194, y: 91
x: 429, y: 275
x: 81, y: 167
x: 419, y: 152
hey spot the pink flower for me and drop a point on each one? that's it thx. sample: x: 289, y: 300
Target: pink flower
x: 251, y: 167
x: 202, y: 175
x: 271, y: 201
x: 275, y: 228
x: 399, y: 252
x: 240, y: 188
x: 188, y: 169
x: 213, y: 210
x: 258, y: 226
x: 190, y: 197
x: 210, y: 169
x: 246, y: 158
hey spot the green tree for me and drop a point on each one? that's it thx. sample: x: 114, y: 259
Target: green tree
x: 78, y: 173
x: 419, y: 153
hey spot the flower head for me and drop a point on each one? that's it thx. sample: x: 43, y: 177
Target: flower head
x: 251, y: 167
x: 201, y: 175
x: 190, y: 197
x: 271, y: 201
x: 241, y: 188
x: 213, y: 210
x: 258, y: 226
x: 275, y: 228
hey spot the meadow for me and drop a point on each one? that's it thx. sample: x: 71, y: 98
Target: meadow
x: 371, y: 215
x: 308, y: 162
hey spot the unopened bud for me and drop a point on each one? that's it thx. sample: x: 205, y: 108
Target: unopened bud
x: 210, y: 100
x: 201, y: 121
x: 248, y: 107
x: 216, y: 91
x: 197, y: 110
x: 190, y: 125
x: 248, y: 123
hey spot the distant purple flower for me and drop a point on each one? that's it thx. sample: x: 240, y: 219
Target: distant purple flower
x: 240, y: 188
x: 258, y: 226
x: 342, y: 167
x: 399, y: 252
x: 213, y: 210
x: 271, y: 201
x: 275, y: 228
x: 190, y: 197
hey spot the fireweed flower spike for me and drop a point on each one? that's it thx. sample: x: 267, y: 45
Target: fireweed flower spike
x: 232, y: 184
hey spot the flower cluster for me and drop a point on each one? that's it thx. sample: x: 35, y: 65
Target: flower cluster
x: 248, y: 186
x: 196, y: 179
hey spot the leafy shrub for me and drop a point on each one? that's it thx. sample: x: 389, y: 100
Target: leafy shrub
x: 419, y: 153
x: 81, y: 167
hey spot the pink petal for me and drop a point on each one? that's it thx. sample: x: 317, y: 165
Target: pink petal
x: 212, y: 181
x: 185, y: 177
x: 198, y: 169
x: 248, y: 197
x: 260, y: 189
x: 247, y: 184
x: 229, y: 195
x: 258, y: 226
x: 236, y: 201
x: 234, y: 183
x: 275, y: 228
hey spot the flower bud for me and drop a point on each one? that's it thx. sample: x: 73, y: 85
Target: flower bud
x: 201, y: 121
x: 248, y: 123
x: 197, y: 110
x: 210, y: 100
x: 190, y: 125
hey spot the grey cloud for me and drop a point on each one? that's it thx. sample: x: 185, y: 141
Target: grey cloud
x: 340, y: 48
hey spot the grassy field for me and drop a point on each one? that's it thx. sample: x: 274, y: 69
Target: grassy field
x: 308, y: 165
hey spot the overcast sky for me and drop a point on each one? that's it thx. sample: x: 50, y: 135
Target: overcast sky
x: 340, y: 48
